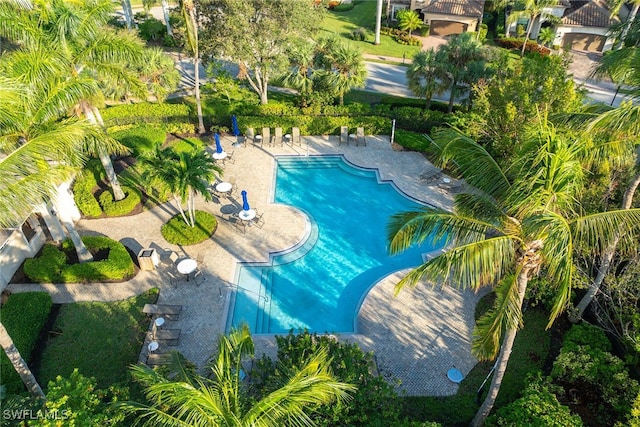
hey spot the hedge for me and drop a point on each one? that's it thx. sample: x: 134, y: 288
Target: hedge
x: 121, y: 207
x: 515, y: 43
x: 140, y: 138
x: 23, y: 315
x: 83, y: 194
x: 51, y: 266
x: 173, y: 116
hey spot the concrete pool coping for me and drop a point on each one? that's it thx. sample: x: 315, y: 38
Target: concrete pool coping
x: 416, y: 337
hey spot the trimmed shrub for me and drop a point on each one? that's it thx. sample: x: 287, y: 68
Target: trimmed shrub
x: 424, y: 30
x: 411, y: 140
x: 177, y: 232
x: 359, y: 34
x: 151, y: 29
x: 584, y: 334
x: 23, y: 315
x: 121, y: 207
x: 83, y: 187
x: 515, y: 43
x: 49, y: 268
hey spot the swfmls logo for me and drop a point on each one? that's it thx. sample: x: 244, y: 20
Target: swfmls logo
x: 30, y: 414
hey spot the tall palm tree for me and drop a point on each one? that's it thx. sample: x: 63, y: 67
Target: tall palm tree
x: 20, y: 365
x: 91, y: 48
x: 622, y: 126
x: 343, y: 66
x: 423, y: 74
x: 376, y: 40
x: 532, y: 10
x: 504, y: 230
x: 185, y: 398
x: 191, y: 25
x: 183, y: 174
x: 615, y: 10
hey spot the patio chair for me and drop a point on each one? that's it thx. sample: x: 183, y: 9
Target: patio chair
x: 360, y: 139
x: 249, y: 135
x: 234, y: 187
x: 229, y: 158
x: 266, y: 135
x: 344, y: 135
x: 199, y: 277
x: 170, y: 258
x: 295, y: 136
x: 258, y: 220
x: 173, y: 279
x: 277, y: 137
x: 200, y: 259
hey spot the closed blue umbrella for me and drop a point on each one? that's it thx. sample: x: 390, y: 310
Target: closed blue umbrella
x: 234, y: 126
x: 245, y: 203
x: 218, y: 146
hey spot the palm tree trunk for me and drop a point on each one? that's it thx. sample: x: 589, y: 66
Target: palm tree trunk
x: 90, y: 114
x: 20, y: 365
x: 526, y: 37
x: 83, y: 253
x: 607, y: 257
x: 196, y: 74
x: 630, y: 19
x: 179, y: 205
x: 503, y: 358
x: 165, y: 12
x: 452, y: 96
x: 128, y: 18
x: 376, y: 40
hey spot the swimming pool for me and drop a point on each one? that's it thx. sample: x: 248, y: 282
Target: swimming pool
x: 321, y: 284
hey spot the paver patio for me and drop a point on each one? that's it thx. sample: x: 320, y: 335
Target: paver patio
x: 416, y: 337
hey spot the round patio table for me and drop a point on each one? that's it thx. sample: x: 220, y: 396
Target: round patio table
x: 219, y: 156
x: 153, y: 346
x: 187, y: 266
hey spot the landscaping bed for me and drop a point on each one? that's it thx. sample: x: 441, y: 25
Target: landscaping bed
x: 177, y: 232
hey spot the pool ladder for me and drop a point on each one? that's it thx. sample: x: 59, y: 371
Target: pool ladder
x: 263, y: 314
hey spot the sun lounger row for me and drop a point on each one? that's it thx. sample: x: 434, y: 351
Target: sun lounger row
x: 277, y: 138
x: 358, y: 137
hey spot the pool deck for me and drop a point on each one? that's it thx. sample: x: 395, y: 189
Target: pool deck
x: 416, y: 337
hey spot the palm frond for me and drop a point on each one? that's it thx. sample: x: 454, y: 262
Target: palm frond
x: 599, y: 229
x: 506, y: 313
x: 469, y: 266
x: 470, y: 159
x: 435, y: 226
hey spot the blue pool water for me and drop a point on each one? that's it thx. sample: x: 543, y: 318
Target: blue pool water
x: 321, y: 284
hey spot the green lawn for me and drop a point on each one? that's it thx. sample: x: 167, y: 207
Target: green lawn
x: 100, y: 339
x: 363, y: 15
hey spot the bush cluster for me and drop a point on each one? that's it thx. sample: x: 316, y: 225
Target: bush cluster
x: 177, y: 232
x: 374, y: 403
x: 318, y: 125
x: 598, y: 375
x: 51, y: 266
x: 111, y: 207
x: 23, y: 315
x: 516, y: 43
x: 359, y: 34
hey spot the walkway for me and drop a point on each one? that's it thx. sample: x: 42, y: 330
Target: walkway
x: 416, y: 337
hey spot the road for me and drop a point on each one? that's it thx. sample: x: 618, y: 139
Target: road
x: 391, y: 79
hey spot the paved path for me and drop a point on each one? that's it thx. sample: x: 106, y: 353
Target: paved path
x: 416, y: 337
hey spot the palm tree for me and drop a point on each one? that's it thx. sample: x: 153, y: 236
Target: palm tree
x: 20, y: 365
x: 622, y: 126
x: 531, y: 9
x: 409, y: 20
x: 459, y: 58
x: 615, y: 9
x: 41, y: 149
x: 191, y: 24
x: 300, y: 75
x: 91, y: 48
x: 343, y: 65
x: 185, y: 398
x: 183, y: 174
x: 504, y: 230
x: 423, y: 74
x: 546, y: 36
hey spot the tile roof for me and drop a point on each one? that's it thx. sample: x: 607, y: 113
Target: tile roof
x: 472, y: 8
x: 594, y: 13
